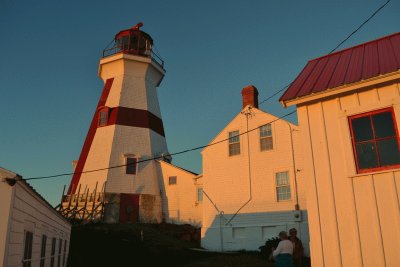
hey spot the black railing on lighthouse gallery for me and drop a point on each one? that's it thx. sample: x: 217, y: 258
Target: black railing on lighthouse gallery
x: 133, y: 49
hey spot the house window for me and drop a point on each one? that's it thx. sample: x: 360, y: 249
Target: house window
x: 131, y: 165
x: 53, y: 251
x: 59, y: 252
x: 28, y: 249
x: 200, y: 194
x: 65, y: 252
x: 43, y: 251
x: 282, y: 186
x: 103, y: 117
x: 234, y: 143
x: 375, y: 140
x: 172, y: 180
x: 266, y: 137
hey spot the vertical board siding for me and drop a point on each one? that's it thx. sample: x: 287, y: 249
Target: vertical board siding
x: 371, y: 243
x: 397, y: 184
x: 388, y: 210
x: 350, y: 250
x: 316, y: 248
x: 369, y: 97
x: 324, y: 184
x: 388, y: 92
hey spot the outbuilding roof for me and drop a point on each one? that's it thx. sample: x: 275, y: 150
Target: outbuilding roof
x: 354, y: 64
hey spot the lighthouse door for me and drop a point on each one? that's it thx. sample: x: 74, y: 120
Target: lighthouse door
x: 129, y: 208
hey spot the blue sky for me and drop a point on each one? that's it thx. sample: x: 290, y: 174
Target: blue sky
x: 212, y: 49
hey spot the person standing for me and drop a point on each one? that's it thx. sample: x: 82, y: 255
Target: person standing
x: 298, y: 249
x: 283, y: 253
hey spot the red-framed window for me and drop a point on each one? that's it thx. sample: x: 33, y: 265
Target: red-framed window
x: 103, y: 116
x: 375, y: 140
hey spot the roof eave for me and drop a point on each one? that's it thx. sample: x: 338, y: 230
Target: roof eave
x: 392, y: 76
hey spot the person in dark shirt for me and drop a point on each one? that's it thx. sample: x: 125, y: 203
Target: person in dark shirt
x: 298, y: 249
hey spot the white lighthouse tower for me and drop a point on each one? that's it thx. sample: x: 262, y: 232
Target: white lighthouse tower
x: 126, y: 127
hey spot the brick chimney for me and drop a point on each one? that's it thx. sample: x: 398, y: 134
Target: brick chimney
x: 250, y: 96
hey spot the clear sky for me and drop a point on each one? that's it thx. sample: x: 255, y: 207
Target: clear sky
x: 50, y: 52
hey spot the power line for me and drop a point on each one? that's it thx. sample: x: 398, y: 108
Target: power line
x: 274, y: 94
x: 204, y: 146
x: 154, y: 158
x: 359, y: 27
x: 333, y: 50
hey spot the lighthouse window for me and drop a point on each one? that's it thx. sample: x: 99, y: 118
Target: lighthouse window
x: 103, y: 118
x: 131, y: 164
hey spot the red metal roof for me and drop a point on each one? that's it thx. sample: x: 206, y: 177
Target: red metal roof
x: 347, y: 66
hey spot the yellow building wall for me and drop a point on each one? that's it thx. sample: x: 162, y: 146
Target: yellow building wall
x: 180, y: 203
x: 354, y: 218
x: 227, y: 185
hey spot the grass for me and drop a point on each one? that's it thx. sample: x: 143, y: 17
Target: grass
x: 147, y: 245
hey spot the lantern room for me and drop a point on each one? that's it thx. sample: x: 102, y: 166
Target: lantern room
x: 132, y: 41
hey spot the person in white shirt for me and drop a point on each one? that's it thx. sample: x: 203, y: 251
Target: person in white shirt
x: 283, y: 253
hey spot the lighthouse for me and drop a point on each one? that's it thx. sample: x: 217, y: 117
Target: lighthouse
x: 126, y: 131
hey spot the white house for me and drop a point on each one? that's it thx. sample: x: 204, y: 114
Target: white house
x: 181, y: 195
x: 32, y: 232
x: 348, y: 105
x: 253, y: 181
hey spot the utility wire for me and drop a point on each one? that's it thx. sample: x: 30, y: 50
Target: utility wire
x: 333, y: 50
x: 155, y: 158
x: 359, y: 27
x: 204, y: 146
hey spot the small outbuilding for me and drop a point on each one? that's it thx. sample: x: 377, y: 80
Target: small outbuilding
x: 348, y: 105
x: 32, y: 232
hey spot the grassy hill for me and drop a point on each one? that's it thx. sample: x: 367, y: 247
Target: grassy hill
x: 147, y: 245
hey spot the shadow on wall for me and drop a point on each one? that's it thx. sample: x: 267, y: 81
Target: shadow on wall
x: 249, y: 231
x: 163, y: 193
x: 172, y: 211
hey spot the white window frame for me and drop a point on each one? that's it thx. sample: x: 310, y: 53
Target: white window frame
x: 265, y: 135
x: 232, y: 142
x: 278, y: 186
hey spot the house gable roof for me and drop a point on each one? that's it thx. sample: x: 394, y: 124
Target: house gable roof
x: 345, y: 67
x: 18, y: 178
x: 218, y: 137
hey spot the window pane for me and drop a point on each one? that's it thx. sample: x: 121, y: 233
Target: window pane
x: 172, y: 180
x: 283, y: 193
x: 366, y: 154
x: 130, y: 165
x: 266, y: 143
x: 200, y: 195
x: 383, y: 125
x: 389, y: 152
x: 282, y: 178
x: 362, y: 129
x: 234, y: 149
x: 234, y: 137
x: 265, y: 130
x: 43, y: 251
x: 103, y: 118
x: 28, y: 249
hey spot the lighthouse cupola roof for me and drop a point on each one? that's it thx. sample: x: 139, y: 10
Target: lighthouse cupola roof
x: 133, y: 41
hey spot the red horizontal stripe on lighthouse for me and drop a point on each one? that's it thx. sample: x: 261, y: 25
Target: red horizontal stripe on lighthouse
x: 136, y: 118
